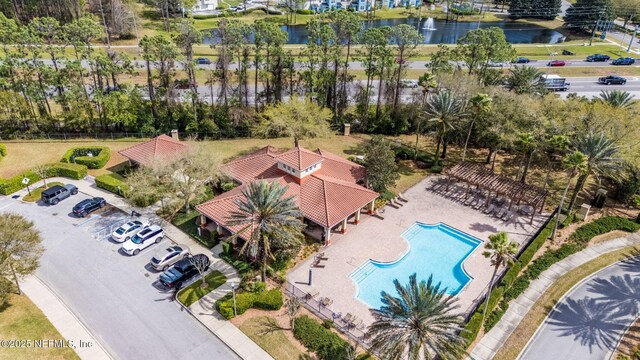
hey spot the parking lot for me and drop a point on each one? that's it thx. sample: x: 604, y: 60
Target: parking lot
x: 114, y: 294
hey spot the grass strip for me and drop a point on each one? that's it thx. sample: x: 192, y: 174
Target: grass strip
x: 195, y: 292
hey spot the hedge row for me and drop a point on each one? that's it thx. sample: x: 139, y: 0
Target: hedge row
x: 79, y: 155
x: 324, y: 342
x: 3, y: 151
x: 111, y: 182
x: 472, y: 328
x: 265, y: 300
x: 13, y: 184
x: 577, y: 242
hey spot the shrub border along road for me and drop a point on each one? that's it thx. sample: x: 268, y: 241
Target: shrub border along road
x: 539, y: 311
x: 73, y: 171
x: 511, y: 287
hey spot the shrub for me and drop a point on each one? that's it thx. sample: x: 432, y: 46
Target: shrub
x: 387, y: 195
x: 80, y: 155
x: 226, y: 186
x: 325, y: 343
x: 511, y: 275
x: 3, y: 150
x: 495, y: 316
x: 496, y: 296
x: 472, y: 328
x: 268, y: 300
x: 111, y: 182
x: 71, y: 171
x: 601, y: 226
x: 304, y: 12
x: 13, y: 184
x: 436, y: 169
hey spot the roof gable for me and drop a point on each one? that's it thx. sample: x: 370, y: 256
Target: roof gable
x: 162, y: 147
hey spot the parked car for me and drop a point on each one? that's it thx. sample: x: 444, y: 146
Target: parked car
x: 126, y: 231
x: 181, y: 272
x: 55, y: 194
x: 146, y: 237
x: 203, y: 61
x: 497, y: 64
x: 163, y: 259
x: 521, y: 60
x: 557, y: 63
x: 598, y: 58
x: 612, y: 79
x: 624, y: 61
x: 86, y: 207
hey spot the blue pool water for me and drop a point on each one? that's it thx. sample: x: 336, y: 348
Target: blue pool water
x: 433, y: 249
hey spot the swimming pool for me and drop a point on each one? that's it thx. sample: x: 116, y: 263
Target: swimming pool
x: 433, y: 249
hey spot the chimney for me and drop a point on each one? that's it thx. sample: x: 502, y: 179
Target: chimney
x: 347, y: 129
x: 174, y: 134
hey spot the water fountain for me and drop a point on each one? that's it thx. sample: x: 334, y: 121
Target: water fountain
x: 428, y: 25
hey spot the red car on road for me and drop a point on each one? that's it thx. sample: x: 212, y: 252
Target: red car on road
x: 557, y: 63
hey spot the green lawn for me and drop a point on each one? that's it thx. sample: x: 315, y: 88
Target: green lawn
x: 194, y: 292
x: 276, y: 343
x: 187, y: 223
x: 23, y: 320
x: 36, y: 194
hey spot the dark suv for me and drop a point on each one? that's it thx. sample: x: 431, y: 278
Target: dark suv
x: 54, y: 194
x: 182, y: 271
x: 598, y: 58
x: 85, y: 207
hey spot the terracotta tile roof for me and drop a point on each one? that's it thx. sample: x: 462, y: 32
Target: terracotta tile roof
x: 325, y: 197
x: 159, y: 148
x: 299, y: 158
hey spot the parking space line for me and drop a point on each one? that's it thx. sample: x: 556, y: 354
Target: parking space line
x: 91, y: 218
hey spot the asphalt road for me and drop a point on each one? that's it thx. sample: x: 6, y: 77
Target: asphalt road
x: 112, y: 293
x: 589, y: 322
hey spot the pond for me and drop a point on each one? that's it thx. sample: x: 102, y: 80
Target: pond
x: 442, y: 32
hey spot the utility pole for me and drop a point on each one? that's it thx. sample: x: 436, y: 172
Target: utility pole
x: 633, y: 37
x: 597, y: 24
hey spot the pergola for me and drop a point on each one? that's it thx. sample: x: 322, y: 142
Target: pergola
x: 498, y: 185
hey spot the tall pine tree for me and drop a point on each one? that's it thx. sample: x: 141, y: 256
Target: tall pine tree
x: 584, y: 14
x: 540, y: 9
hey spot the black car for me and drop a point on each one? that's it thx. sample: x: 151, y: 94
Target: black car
x: 624, y: 61
x: 203, y: 61
x: 521, y: 60
x: 612, y: 79
x: 598, y: 58
x: 85, y: 207
x: 182, y: 271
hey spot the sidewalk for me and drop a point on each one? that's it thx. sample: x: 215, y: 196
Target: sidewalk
x: 202, y: 310
x: 492, y: 341
x: 63, y: 319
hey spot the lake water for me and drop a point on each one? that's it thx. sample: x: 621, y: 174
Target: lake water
x: 444, y: 32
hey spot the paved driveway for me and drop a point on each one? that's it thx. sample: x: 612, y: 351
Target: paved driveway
x: 112, y: 293
x: 591, y: 319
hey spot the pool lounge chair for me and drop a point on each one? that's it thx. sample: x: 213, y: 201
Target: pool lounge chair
x: 490, y: 209
x: 501, y: 212
x: 325, y: 301
x: 347, y: 319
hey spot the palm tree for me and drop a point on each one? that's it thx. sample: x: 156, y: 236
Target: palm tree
x: 575, y: 163
x: 417, y: 323
x: 481, y: 105
x: 268, y: 219
x: 501, y: 251
x: 617, y: 98
x: 601, y: 160
x: 444, y: 109
x: 526, y: 80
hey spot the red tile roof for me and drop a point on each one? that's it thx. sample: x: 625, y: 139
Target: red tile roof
x: 300, y: 158
x: 159, y: 148
x: 326, y: 196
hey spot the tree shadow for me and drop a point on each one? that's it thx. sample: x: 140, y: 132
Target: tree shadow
x: 621, y: 292
x: 591, y: 322
x: 632, y: 264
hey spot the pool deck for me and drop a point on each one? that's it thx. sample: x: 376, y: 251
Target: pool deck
x: 379, y: 238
